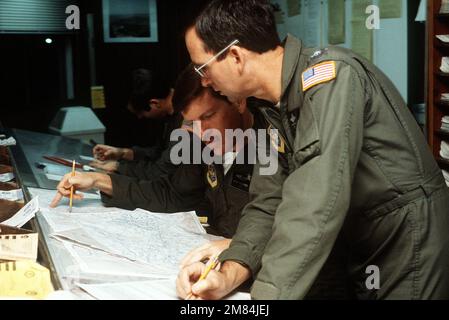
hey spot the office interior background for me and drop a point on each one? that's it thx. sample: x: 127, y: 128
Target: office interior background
x: 44, y: 66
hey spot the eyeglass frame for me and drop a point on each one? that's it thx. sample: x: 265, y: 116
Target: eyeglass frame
x: 203, y: 74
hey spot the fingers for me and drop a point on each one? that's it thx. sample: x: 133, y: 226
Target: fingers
x: 205, y: 287
x: 56, y: 200
x: 97, y: 164
x: 64, y: 190
x: 196, y: 255
x: 99, y: 152
x: 205, y: 252
x: 187, y: 277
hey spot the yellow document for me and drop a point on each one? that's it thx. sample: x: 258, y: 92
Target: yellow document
x: 24, y: 279
x: 97, y: 94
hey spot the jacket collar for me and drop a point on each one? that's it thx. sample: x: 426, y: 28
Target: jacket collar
x: 293, y: 65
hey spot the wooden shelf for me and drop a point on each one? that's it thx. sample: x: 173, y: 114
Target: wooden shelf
x: 437, y: 24
x: 441, y: 44
x: 442, y: 74
x: 442, y: 103
x: 442, y: 133
x: 444, y: 164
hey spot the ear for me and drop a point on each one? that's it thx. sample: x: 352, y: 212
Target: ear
x: 155, y: 103
x: 238, y: 57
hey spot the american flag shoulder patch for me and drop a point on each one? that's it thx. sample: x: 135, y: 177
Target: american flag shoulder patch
x: 320, y: 73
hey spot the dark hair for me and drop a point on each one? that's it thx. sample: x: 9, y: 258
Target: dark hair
x: 146, y: 86
x: 249, y: 21
x: 188, y: 87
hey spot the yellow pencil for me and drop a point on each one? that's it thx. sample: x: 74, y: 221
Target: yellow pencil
x: 71, y: 189
x: 212, y: 263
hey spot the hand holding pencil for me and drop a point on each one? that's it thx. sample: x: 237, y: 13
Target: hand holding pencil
x: 211, y: 264
x: 72, y: 188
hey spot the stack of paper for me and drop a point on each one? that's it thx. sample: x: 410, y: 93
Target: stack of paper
x: 143, y: 290
x: 444, y: 6
x: 446, y: 177
x: 445, y: 97
x: 117, y: 250
x: 445, y: 65
x: 445, y: 123
x: 443, y: 38
x: 8, y: 142
x: 444, y: 152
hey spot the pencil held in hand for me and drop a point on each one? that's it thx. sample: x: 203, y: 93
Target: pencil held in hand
x: 212, y: 264
x: 71, y: 188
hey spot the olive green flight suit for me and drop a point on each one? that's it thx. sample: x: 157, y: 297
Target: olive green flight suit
x: 360, y: 177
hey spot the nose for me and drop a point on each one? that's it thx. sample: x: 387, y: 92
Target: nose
x: 205, y: 81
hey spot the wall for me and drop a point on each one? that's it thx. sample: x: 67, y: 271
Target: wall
x: 32, y: 76
x: 390, y: 47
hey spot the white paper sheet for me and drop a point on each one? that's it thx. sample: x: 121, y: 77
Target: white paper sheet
x: 161, y: 240
x: 23, y: 215
x: 142, y: 290
x: 11, y: 195
x: 90, y: 204
x: 8, y: 142
x: 96, y: 264
x: 6, y: 177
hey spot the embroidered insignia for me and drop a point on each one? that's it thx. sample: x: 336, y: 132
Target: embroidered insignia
x: 320, y: 73
x: 319, y: 53
x: 276, y: 140
x: 212, y: 177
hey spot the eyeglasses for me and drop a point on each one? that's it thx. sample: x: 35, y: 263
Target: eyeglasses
x: 202, y: 72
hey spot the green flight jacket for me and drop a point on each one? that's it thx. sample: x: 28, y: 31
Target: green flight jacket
x: 360, y: 176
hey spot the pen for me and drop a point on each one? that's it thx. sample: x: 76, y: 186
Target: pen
x: 210, y: 265
x: 71, y: 188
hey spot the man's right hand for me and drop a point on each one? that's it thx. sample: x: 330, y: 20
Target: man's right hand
x: 102, y: 152
x: 217, y: 285
x: 81, y: 181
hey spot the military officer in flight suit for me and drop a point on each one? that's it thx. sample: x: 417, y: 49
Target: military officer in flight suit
x: 360, y: 174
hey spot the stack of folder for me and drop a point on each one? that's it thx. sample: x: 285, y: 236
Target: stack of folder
x: 445, y: 123
x: 444, y: 6
x: 445, y: 97
x: 444, y: 152
x: 443, y: 37
x: 444, y: 65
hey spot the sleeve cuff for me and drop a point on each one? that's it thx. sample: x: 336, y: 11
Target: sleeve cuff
x: 119, y: 197
x: 243, y: 255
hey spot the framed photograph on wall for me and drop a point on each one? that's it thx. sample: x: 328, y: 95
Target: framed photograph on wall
x: 130, y: 21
